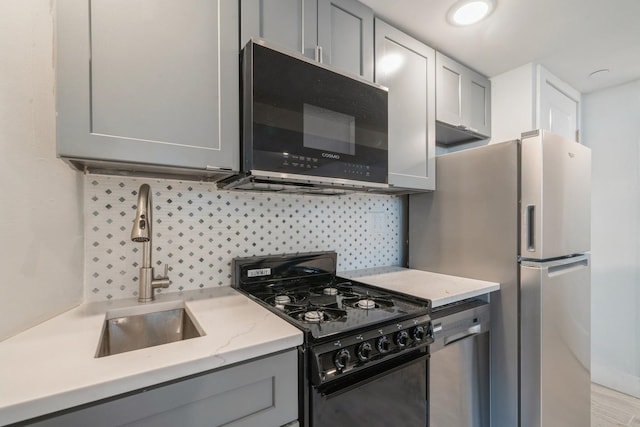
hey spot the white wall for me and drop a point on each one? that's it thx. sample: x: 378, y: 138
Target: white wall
x: 512, y: 103
x: 41, y: 244
x: 611, y: 127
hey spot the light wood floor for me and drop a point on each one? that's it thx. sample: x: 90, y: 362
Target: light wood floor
x: 610, y: 408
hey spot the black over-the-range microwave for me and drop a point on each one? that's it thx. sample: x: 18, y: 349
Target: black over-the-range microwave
x: 307, y: 124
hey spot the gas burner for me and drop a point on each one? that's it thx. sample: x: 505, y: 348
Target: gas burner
x: 333, y: 289
x: 366, y: 304
x: 316, y: 314
x: 282, y: 299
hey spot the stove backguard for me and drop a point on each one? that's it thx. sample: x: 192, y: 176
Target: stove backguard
x: 253, y: 272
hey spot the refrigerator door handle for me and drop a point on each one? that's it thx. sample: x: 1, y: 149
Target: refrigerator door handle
x: 530, y: 222
x: 579, y: 263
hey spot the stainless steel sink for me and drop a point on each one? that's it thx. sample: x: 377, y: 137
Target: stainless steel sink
x: 146, y: 326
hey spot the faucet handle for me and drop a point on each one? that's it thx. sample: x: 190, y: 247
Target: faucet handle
x: 162, y: 282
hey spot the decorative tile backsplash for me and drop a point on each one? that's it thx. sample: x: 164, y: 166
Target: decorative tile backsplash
x: 198, y: 230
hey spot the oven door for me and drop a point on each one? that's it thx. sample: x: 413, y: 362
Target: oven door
x: 391, y: 394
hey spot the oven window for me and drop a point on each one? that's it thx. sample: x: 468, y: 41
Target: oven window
x: 328, y: 130
x: 398, y: 398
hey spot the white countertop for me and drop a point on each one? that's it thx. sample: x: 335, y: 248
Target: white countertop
x: 441, y: 289
x: 52, y: 366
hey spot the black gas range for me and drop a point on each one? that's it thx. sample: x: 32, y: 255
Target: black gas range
x: 362, y: 343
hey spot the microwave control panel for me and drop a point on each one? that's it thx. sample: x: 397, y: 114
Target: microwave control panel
x: 303, y: 164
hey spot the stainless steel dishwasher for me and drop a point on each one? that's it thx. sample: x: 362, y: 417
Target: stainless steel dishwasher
x: 459, y: 366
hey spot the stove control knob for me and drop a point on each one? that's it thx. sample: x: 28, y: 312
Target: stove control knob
x: 401, y: 338
x: 383, y: 344
x: 364, y: 351
x: 341, y: 359
x: 418, y: 333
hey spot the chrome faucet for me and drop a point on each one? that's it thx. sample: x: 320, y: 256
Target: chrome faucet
x: 141, y: 232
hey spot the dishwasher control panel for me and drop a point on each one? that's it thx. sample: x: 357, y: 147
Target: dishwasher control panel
x: 457, y: 321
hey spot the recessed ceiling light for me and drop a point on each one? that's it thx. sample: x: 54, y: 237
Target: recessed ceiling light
x: 599, y: 73
x: 467, y: 12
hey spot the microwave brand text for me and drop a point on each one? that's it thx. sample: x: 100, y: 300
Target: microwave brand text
x: 331, y: 155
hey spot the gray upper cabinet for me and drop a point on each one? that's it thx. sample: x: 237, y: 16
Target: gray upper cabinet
x: 148, y: 84
x: 463, y: 99
x: 345, y: 35
x: 407, y: 67
x: 292, y: 24
x: 336, y: 32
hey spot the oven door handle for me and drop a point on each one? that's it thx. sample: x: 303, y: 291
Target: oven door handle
x: 343, y: 385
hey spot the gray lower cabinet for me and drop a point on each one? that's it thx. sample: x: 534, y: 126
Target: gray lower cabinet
x: 148, y: 82
x: 407, y: 67
x: 463, y: 101
x: 336, y: 32
x: 263, y: 392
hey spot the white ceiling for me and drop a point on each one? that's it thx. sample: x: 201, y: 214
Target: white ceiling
x: 572, y: 38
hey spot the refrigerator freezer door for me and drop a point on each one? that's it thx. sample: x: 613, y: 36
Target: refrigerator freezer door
x: 556, y: 197
x: 555, y: 343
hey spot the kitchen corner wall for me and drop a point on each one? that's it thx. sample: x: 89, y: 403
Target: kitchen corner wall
x: 198, y: 230
x: 41, y: 198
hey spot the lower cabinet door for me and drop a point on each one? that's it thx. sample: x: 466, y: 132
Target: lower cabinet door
x: 263, y: 392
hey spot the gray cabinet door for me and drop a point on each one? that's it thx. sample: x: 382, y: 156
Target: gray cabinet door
x: 450, y: 82
x: 291, y: 24
x: 148, y: 82
x: 263, y: 392
x: 479, y: 104
x: 345, y: 36
x: 407, y: 67
x: 335, y: 32
x: 463, y: 97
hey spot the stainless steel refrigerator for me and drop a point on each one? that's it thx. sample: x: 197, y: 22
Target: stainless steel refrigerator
x: 518, y: 213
